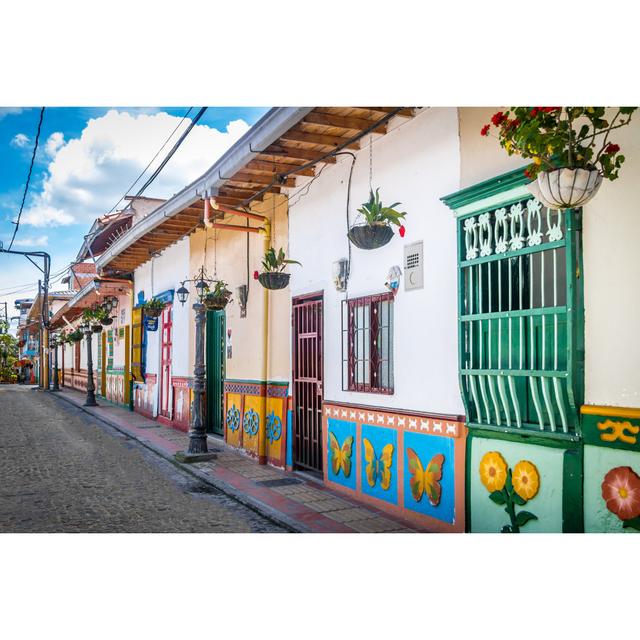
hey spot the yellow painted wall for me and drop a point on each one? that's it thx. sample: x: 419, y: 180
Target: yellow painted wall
x: 226, y: 255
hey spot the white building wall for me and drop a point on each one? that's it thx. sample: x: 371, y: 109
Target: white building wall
x: 162, y: 273
x: 416, y: 163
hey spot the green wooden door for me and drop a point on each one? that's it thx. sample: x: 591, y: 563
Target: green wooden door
x: 215, y: 372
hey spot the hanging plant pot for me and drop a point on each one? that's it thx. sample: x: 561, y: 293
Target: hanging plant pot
x: 106, y: 322
x: 96, y: 328
x: 153, y: 312
x: 370, y: 236
x: 216, y: 303
x: 76, y: 336
x: 274, y: 279
x: 566, y: 188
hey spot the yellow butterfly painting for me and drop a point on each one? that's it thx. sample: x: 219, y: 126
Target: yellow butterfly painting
x: 378, y: 467
x: 425, y: 480
x: 341, y: 456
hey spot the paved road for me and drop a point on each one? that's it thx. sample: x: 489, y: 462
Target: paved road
x: 63, y: 470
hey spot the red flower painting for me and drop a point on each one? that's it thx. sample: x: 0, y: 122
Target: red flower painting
x: 621, y: 492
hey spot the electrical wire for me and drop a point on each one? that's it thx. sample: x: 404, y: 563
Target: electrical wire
x: 26, y: 186
x: 166, y: 142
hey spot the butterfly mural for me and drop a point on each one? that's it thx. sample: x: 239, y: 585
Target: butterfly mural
x: 378, y: 467
x: 425, y: 480
x: 341, y: 455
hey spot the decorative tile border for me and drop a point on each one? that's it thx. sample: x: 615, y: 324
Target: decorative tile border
x: 404, y: 422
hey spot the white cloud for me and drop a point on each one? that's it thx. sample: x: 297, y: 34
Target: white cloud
x: 89, y: 174
x: 54, y: 142
x: 32, y: 241
x: 46, y: 216
x: 10, y: 111
x: 20, y: 141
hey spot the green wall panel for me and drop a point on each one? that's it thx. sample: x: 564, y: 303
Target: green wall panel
x: 547, y: 505
x: 598, y: 461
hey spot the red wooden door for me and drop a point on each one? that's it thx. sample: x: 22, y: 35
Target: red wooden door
x: 165, y: 362
x: 307, y: 382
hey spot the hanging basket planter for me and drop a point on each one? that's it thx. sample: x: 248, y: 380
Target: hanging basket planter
x: 274, y: 279
x: 153, y: 312
x: 96, y: 328
x: 76, y: 336
x: 106, y: 322
x: 215, y: 303
x: 370, y: 236
x: 566, y: 188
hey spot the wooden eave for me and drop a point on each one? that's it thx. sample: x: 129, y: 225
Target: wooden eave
x: 317, y: 133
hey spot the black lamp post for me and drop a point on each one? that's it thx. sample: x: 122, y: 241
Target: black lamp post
x: 198, y: 451
x: 54, y: 344
x: 91, y: 387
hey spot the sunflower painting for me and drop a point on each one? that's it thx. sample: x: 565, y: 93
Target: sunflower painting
x: 621, y: 493
x: 510, y: 488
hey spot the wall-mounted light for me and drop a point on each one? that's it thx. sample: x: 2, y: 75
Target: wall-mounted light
x: 340, y: 271
x: 243, y: 295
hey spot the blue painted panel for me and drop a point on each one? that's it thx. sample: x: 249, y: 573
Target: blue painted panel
x: 289, y: 444
x: 342, y: 429
x: 427, y: 446
x: 380, y: 437
x: 165, y: 296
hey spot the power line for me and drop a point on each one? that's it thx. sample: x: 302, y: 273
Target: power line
x: 175, y: 147
x: 184, y: 117
x: 26, y: 186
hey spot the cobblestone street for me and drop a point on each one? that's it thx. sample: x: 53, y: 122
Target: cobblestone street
x: 62, y: 470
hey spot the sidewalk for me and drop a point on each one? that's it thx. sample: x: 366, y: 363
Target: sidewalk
x: 290, y: 500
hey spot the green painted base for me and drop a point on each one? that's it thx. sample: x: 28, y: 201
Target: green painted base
x: 189, y: 458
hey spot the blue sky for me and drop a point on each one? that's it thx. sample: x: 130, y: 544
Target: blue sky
x: 87, y: 158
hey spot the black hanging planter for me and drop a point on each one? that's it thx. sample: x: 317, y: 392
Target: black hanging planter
x: 373, y: 236
x: 96, y: 328
x: 274, y: 279
x: 106, y: 322
x: 216, y: 303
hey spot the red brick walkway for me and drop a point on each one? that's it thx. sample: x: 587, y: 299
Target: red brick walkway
x: 304, y: 506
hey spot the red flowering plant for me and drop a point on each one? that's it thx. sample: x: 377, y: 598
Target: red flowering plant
x: 561, y: 137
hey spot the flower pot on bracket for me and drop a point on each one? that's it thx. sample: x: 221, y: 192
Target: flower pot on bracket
x: 373, y: 236
x: 566, y: 188
x: 96, y: 328
x: 274, y: 279
x: 106, y: 322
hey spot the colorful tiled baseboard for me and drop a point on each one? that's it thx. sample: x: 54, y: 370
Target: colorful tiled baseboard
x: 412, y: 465
x: 254, y: 412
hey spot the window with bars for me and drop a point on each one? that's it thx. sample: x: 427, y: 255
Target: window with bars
x: 520, y: 313
x: 367, y: 344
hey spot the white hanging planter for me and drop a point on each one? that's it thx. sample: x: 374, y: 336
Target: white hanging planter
x: 566, y: 188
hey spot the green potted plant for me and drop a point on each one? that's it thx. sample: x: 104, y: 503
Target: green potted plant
x: 153, y: 307
x: 218, y: 297
x: 273, y: 265
x: 376, y: 230
x: 76, y: 335
x: 94, y: 317
x: 570, y: 149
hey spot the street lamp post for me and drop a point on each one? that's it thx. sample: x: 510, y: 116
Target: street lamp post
x: 91, y: 387
x: 54, y: 344
x: 198, y: 450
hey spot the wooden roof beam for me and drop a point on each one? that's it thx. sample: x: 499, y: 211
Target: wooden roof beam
x: 406, y: 112
x: 295, y: 135
x: 295, y: 153
x: 343, y: 122
x: 261, y: 166
x: 250, y: 178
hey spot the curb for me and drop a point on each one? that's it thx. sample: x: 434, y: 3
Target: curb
x: 259, y: 507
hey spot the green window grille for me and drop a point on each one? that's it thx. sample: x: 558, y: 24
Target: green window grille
x: 520, y: 312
